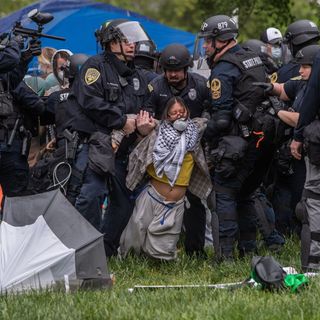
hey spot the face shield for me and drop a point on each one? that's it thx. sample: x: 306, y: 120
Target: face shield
x: 200, y: 55
x: 286, y: 53
x: 132, y: 32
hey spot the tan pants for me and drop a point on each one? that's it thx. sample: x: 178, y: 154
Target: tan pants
x: 154, y: 227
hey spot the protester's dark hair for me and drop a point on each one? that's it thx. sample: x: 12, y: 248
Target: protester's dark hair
x: 170, y: 103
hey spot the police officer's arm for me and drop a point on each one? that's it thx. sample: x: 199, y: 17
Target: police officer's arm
x: 9, y: 56
x: 90, y: 93
x: 222, y: 81
x: 28, y: 99
x: 151, y: 103
x: 310, y: 101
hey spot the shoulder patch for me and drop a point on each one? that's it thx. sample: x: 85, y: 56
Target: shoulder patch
x: 216, y: 88
x: 296, y: 78
x: 273, y: 77
x: 150, y: 87
x: 91, y: 76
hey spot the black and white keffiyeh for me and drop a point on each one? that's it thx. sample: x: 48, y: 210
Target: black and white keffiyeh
x: 170, y: 148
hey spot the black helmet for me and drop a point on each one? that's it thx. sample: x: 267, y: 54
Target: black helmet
x: 220, y: 27
x: 74, y: 64
x: 175, y: 57
x: 307, y: 54
x: 301, y: 31
x: 108, y: 31
x: 255, y: 45
x: 146, y: 49
x: 121, y: 30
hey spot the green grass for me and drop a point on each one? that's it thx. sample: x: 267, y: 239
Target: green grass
x: 192, y: 303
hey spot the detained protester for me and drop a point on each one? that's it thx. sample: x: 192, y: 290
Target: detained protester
x: 177, y: 81
x: 307, y: 134
x: 290, y: 173
x: 173, y: 160
x: 240, y: 151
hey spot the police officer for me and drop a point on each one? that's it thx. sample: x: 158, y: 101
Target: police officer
x: 175, y: 60
x: 146, y: 59
x: 239, y: 152
x: 107, y: 89
x: 260, y: 48
x: 299, y: 34
x: 17, y: 102
x: 308, y: 132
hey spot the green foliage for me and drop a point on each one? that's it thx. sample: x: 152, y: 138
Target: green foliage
x: 254, y: 15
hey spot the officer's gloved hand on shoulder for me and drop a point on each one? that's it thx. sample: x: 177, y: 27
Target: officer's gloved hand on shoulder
x: 267, y: 87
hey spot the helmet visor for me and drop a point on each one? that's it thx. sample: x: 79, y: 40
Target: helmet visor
x: 132, y: 32
x: 199, y: 50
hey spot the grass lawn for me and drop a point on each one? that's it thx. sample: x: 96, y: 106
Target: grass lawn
x: 191, y: 303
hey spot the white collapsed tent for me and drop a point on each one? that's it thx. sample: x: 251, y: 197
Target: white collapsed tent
x: 44, y: 241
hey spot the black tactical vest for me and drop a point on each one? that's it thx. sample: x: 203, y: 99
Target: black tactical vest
x: 253, y: 70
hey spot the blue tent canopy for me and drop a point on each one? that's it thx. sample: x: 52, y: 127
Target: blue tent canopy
x: 77, y: 20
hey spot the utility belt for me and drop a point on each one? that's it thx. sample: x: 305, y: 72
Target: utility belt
x: 12, y: 130
x: 262, y: 122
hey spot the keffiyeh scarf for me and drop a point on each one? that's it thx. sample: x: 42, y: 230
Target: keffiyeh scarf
x: 171, y: 147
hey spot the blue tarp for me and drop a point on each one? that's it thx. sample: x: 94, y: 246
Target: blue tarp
x: 77, y: 20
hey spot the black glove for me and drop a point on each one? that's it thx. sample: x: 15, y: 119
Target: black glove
x: 267, y: 87
x: 33, y: 49
x: 277, y: 104
x: 18, y: 39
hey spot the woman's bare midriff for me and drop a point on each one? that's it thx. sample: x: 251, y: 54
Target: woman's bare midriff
x: 174, y: 193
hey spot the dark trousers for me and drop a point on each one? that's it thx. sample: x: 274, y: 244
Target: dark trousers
x: 121, y: 204
x: 14, y: 169
x: 286, y: 194
x: 195, y: 225
x: 93, y: 189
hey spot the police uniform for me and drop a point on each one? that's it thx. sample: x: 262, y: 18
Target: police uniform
x: 14, y: 136
x: 287, y: 71
x: 288, y: 185
x: 106, y: 90
x: 308, y: 209
x: 196, y: 96
x: 231, y: 85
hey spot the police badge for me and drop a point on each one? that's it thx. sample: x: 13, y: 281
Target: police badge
x: 192, y: 94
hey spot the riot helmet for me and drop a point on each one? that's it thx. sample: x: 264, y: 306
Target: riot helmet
x: 219, y: 27
x: 175, y: 57
x: 74, y: 64
x: 255, y: 45
x: 120, y: 30
x: 146, y: 55
x: 307, y: 54
x: 300, y: 34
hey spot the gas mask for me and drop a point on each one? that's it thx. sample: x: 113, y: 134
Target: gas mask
x: 180, y: 124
